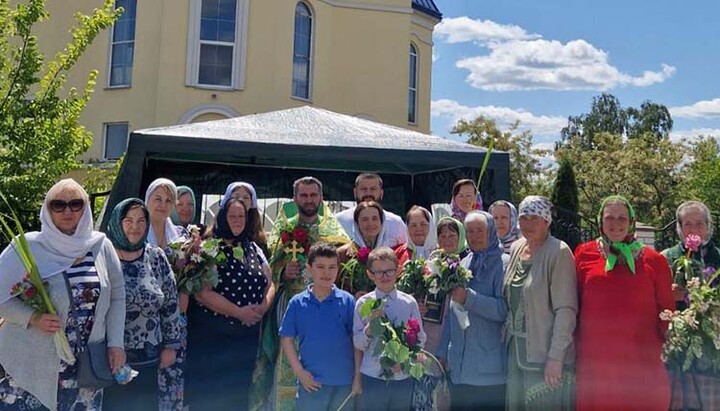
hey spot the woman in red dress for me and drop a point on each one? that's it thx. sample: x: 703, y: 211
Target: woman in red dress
x: 622, y: 288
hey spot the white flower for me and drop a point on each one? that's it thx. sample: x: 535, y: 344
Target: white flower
x: 434, y: 288
x: 694, y: 283
x: 195, y: 258
x: 666, y: 315
x: 180, y: 254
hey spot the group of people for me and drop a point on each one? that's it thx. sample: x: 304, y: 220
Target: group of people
x: 538, y: 327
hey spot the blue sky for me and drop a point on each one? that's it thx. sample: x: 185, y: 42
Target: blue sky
x: 542, y: 61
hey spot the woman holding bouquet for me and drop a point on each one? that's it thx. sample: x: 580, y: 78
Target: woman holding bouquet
x: 74, y: 261
x: 368, y: 220
x: 152, y: 321
x: 451, y: 237
x: 541, y: 292
x: 471, y: 342
x: 225, y: 327
x: 160, y: 200
x: 623, y: 286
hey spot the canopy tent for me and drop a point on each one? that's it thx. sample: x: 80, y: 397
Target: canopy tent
x: 273, y: 149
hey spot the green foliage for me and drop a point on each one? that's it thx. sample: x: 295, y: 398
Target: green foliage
x: 565, y: 190
x: 527, y: 175
x: 40, y: 133
x: 703, y: 172
x: 608, y: 116
x: 99, y: 178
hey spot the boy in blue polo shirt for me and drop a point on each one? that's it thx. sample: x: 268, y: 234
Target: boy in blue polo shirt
x: 321, y: 318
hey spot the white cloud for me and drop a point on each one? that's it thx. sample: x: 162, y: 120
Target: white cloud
x: 694, y: 133
x: 552, y: 65
x: 701, y: 109
x: 464, y: 29
x: 504, y: 116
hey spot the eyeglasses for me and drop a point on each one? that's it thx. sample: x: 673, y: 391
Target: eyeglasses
x: 385, y: 273
x: 58, y: 206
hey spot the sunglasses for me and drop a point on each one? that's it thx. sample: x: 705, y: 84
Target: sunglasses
x: 58, y: 206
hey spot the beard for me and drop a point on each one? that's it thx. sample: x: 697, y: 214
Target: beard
x: 309, y: 211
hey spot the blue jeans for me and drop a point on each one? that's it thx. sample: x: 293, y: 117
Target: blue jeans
x: 386, y: 395
x: 329, y: 398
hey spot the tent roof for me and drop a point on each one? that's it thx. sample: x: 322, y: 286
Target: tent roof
x: 307, y: 137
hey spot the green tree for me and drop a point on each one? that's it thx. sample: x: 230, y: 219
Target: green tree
x: 565, y: 190
x: 40, y: 134
x: 702, y: 172
x: 527, y: 174
x: 651, y: 118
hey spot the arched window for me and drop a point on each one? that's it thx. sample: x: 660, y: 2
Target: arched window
x: 412, y: 85
x: 302, y: 52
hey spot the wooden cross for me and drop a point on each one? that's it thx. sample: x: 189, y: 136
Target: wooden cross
x: 294, y: 250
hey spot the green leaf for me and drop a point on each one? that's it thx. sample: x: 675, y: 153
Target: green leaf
x: 417, y: 370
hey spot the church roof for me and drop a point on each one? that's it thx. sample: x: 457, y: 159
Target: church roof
x: 428, y: 7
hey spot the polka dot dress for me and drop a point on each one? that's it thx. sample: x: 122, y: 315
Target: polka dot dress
x: 241, y: 282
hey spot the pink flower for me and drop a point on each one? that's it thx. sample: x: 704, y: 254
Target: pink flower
x: 693, y: 242
x: 30, y: 292
x: 412, y: 329
x: 421, y: 358
x: 363, y: 255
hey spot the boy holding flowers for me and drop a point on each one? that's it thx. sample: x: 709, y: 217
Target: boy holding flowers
x: 321, y: 319
x: 395, y: 391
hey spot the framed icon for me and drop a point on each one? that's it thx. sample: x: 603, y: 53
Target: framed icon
x: 436, y: 308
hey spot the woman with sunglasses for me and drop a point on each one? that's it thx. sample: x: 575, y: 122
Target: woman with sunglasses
x: 87, y: 289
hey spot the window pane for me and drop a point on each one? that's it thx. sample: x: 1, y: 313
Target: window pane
x: 217, y: 21
x: 226, y: 9
x: 413, y: 72
x: 226, y: 31
x: 411, y: 106
x: 116, y: 136
x: 209, y: 9
x: 215, y: 65
x: 208, y: 29
x: 123, y: 45
x: 301, y: 76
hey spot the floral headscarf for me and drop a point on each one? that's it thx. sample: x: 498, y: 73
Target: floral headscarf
x: 458, y: 213
x: 626, y: 248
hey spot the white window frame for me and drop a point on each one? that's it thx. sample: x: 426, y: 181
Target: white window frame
x: 192, y: 69
x: 311, y: 54
x: 105, y: 137
x: 110, y: 52
x: 412, y: 48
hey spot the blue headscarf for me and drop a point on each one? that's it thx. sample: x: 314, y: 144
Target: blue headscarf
x: 181, y: 190
x: 115, y: 231
x: 234, y: 186
x: 490, y: 256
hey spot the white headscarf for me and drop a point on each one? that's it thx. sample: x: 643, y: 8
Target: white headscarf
x: 171, y: 231
x: 234, y: 186
x: 430, y: 244
x: 54, y: 251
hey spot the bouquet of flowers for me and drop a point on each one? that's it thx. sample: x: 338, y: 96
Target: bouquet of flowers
x: 693, y: 337
x: 398, y: 347
x: 446, y: 274
x: 294, y: 244
x: 31, y: 289
x: 353, y: 276
x: 194, y: 261
x: 414, y: 278
x: 685, y: 267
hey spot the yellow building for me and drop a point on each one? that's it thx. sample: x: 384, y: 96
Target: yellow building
x: 170, y: 62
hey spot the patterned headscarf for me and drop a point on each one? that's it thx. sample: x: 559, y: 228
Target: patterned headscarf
x: 514, y: 233
x: 115, y: 231
x: 182, y: 190
x: 626, y: 248
x: 458, y: 213
x: 423, y: 251
x: 537, y: 206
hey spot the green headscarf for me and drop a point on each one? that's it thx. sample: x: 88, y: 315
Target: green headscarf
x: 624, y: 248
x: 181, y: 190
x: 462, y: 244
x: 115, y: 231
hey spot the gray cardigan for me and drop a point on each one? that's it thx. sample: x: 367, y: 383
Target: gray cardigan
x: 550, y: 300
x: 29, y: 356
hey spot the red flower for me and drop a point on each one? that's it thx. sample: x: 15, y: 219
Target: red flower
x: 300, y: 235
x: 285, y: 237
x: 307, y: 249
x: 30, y: 292
x: 412, y: 329
x: 363, y: 255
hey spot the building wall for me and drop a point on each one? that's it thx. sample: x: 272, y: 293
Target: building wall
x: 360, y: 63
